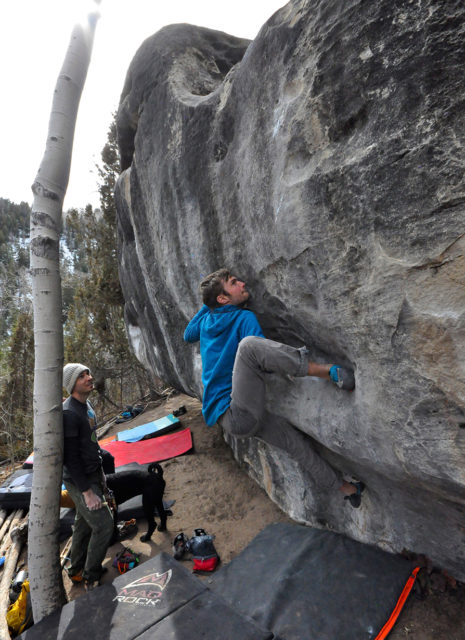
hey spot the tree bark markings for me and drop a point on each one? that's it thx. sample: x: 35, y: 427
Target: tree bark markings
x: 49, y: 188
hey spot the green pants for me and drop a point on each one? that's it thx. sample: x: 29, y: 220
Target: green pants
x: 92, y: 533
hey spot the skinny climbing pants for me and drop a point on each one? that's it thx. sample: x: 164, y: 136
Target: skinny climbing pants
x: 92, y: 533
x: 247, y: 416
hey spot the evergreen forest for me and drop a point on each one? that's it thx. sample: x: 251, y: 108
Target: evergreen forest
x: 93, y: 305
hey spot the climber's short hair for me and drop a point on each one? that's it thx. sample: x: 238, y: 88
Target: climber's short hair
x: 212, y: 286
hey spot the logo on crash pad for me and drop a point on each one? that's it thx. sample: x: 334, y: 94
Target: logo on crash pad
x: 145, y: 591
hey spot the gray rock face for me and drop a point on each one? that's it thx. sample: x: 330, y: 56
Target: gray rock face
x: 324, y: 164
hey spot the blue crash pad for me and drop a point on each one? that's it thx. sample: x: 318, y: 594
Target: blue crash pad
x: 157, y: 427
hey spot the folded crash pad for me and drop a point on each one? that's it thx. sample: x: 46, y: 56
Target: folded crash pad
x: 15, y: 492
x: 318, y: 585
x: 158, y: 600
x: 148, y: 430
x: 153, y: 450
x: 133, y: 509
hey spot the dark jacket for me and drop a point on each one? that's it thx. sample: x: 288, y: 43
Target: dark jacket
x: 81, y: 455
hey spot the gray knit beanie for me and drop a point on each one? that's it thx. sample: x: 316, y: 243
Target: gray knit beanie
x: 71, y: 373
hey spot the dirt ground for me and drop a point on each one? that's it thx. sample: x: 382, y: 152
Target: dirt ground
x: 213, y: 492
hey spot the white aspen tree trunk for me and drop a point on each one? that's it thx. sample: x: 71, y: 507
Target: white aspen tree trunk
x: 49, y: 188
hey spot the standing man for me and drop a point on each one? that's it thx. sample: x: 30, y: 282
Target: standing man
x: 84, y: 479
x: 236, y: 357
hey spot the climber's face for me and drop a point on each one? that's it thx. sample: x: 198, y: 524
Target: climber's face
x: 234, y: 292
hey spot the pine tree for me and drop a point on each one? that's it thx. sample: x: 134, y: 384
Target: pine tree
x: 95, y: 331
x: 16, y: 397
x: 14, y: 263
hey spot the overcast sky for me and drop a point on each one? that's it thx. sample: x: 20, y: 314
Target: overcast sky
x: 34, y: 37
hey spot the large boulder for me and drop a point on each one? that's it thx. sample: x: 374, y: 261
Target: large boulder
x: 323, y: 163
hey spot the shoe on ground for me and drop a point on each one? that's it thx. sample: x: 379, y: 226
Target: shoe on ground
x: 90, y: 585
x: 180, y: 546
x: 342, y: 377
x: 355, y: 499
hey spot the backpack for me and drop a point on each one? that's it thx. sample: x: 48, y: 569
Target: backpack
x: 125, y: 560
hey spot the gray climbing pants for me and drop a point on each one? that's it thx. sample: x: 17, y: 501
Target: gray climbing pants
x: 92, y: 533
x: 247, y: 416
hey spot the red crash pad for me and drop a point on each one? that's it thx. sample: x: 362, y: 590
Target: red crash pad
x: 153, y: 450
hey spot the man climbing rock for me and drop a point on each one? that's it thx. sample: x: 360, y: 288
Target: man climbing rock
x: 84, y: 479
x: 236, y: 357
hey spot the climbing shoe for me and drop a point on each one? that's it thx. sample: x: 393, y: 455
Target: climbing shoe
x: 75, y: 579
x: 126, y: 529
x: 90, y: 585
x: 342, y: 377
x: 180, y: 546
x: 355, y: 499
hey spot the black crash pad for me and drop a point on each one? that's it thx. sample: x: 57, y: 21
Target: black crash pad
x: 206, y: 617
x: 66, y: 523
x: 301, y: 583
x: 133, y: 509
x: 159, y: 600
x: 15, y: 492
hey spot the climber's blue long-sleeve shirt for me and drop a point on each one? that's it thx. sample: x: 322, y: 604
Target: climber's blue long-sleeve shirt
x: 219, y: 331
